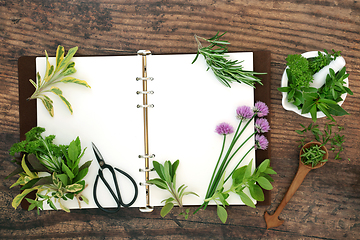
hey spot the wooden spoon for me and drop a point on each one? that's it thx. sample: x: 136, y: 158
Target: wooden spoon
x: 273, y: 220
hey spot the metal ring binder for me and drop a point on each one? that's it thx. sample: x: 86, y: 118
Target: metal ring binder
x: 147, y: 156
x: 145, y: 184
x: 146, y: 170
x: 145, y: 106
x: 144, y: 92
x: 144, y: 78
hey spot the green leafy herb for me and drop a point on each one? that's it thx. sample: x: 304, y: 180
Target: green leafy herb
x: 62, y: 175
x: 63, y: 69
x: 243, y: 178
x: 325, y: 136
x: 167, y: 181
x: 225, y: 70
x: 309, y: 99
x: 322, y: 60
x: 313, y: 155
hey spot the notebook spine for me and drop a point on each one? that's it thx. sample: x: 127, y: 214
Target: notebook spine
x: 145, y: 106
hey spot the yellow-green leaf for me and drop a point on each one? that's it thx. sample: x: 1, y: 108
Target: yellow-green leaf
x: 20, y: 181
x: 166, y: 209
x: 63, y: 207
x: 59, y: 55
x: 68, y: 57
x: 75, y: 80
x: 74, y: 187
x: 222, y: 214
x: 17, y: 200
x: 58, y: 92
x: 48, y: 103
x: 33, y: 83
x: 26, y: 169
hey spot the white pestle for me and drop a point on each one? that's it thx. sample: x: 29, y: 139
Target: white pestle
x: 320, y: 77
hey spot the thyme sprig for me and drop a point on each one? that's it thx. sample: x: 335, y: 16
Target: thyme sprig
x: 225, y: 70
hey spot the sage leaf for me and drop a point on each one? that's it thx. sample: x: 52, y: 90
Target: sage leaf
x: 75, y: 80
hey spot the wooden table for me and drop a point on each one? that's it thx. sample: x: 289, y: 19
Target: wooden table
x: 327, y: 204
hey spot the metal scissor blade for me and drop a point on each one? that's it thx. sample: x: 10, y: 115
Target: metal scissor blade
x: 98, y: 155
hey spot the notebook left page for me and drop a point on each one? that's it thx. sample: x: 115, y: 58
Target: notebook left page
x: 107, y: 115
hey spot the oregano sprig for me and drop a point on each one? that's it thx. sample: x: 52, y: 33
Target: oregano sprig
x: 225, y: 70
x: 63, y: 68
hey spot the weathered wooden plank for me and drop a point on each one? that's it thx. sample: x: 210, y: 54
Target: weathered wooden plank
x: 326, y: 206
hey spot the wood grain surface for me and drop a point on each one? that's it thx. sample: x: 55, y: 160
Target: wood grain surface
x: 326, y: 205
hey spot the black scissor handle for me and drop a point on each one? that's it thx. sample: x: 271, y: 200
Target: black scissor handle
x: 135, y: 188
x: 100, y: 174
x: 117, y: 196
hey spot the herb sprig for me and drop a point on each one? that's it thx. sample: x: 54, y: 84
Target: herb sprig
x: 313, y: 155
x: 244, y: 178
x: 61, y: 175
x: 63, y: 68
x: 325, y: 136
x: 226, y: 71
x: 167, y: 181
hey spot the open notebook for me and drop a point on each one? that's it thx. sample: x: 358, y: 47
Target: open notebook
x: 188, y: 104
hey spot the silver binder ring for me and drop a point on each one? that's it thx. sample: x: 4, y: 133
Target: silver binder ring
x: 146, y: 169
x: 147, y: 156
x: 144, y: 78
x: 145, y: 106
x: 144, y: 92
x: 145, y: 184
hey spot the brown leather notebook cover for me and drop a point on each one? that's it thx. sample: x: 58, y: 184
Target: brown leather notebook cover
x: 28, y: 115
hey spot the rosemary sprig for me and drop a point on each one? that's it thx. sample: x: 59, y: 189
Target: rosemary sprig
x: 63, y: 68
x: 225, y: 70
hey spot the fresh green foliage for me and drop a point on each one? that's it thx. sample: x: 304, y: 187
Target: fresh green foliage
x: 322, y: 60
x: 325, y: 136
x: 243, y: 178
x: 53, y: 171
x: 63, y: 69
x: 313, y: 155
x: 299, y: 71
x: 309, y: 99
x: 225, y: 70
x: 167, y: 181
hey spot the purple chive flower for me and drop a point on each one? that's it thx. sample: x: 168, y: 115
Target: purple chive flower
x: 261, y: 109
x: 244, y: 112
x: 262, y: 125
x: 261, y: 142
x: 224, y: 129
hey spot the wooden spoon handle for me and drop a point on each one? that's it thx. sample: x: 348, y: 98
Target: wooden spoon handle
x: 298, y: 179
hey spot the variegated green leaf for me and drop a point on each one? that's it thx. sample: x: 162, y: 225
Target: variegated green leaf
x: 20, y: 181
x: 68, y: 57
x: 38, y: 78
x: 74, y: 187
x: 26, y: 169
x: 48, y: 103
x: 59, y: 56
x: 17, y: 200
x: 75, y: 80
x: 63, y: 207
x: 33, y: 83
x: 58, y: 92
x: 85, y: 199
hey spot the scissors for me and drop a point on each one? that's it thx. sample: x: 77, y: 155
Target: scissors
x: 117, y: 195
